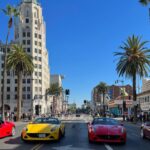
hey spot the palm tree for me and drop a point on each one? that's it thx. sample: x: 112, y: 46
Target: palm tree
x: 22, y: 64
x: 55, y: 89
x: 134, y: 59
x: 102, y: 88
x: 11, y: 12
x: 144, y: 2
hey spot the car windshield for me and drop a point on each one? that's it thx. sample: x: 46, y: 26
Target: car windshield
x: 105, y: 121
x: 47, y: 120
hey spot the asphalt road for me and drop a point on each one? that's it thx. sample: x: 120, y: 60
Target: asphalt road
x: 76, y: 139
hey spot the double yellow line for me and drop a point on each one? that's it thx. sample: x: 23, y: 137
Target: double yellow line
x: 37, y: 147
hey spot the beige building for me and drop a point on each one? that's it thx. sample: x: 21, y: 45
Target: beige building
x: 59, y: 100
x: 143, y: 98
x: 30, y: 31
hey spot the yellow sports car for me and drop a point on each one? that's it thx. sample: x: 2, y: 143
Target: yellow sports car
x: 43, y: 129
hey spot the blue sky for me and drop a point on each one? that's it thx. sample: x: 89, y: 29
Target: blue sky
x: 82, y: 36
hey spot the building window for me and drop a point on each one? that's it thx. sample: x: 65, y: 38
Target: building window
x: 35, y: 42
x: 8, y: 73
x: 40, y: 89
x: 2, y: 65
x: 28, y: 42
x: 35, y: 35
x: 24, y: 81
x: 24, y: 89
x: 27, y: 20
x: 24, y: 34
x: 35, y: 50
x: 35, y: 57
x: 8, y: 89
x: 8, y: 97
x: 28, y: 49
x: 40, y: 81
x: 28, y: 34
x: 40, y: 74
x: 40, y: 51
x: 8, y: 81
x: 40, y: 36
x: 24, y: 96
x: 35, y: 73
x: 28, y: 89
x: 28, y: 96
x: 2, y: 81
x: 40, y: 44
x: 15, y: 89
x: 16, y: 96
x: 40, y: 66
x: 24, y: 42
x: 16, y: 80
x: 40, y: 59
x: 28, y: 80
x: 36, y: 22
x: 36, y: 89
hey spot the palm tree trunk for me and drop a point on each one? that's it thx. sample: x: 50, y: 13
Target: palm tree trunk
x: 19, y: 96
x: 4, y: 76
x: 134, y: 97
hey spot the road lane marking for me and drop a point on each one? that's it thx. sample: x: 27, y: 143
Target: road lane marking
x: 108, y: 147
x: 35, y: 147
x: 40, y: 146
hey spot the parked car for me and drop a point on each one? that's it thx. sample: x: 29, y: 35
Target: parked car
x: 7, y: 128
x: 106, y: 130
x: 43, y: 129
x: 145, y: 130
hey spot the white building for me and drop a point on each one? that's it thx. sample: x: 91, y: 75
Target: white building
x: 30, y: 31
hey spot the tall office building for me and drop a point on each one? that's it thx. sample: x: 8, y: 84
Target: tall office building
x: 30, y: 31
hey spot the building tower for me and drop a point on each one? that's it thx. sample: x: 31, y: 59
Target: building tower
x: 30, y: 31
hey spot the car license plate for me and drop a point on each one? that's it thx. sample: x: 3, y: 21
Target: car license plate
x: 41, y: 135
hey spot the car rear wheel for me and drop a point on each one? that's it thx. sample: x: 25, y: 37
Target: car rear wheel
x: 142, y: 134
x: 13, y: 131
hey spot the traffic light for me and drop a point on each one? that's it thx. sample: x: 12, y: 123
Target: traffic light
x: 67, y: 92
x: 84, y: 101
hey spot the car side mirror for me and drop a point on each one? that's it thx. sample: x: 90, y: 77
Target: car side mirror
x: 30, y: 122
x: 122, y: 124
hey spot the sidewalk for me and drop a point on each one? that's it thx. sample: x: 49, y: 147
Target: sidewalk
x: 20, y: 123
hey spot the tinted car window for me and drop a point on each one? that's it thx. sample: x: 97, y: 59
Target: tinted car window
x: 105, y: 121
x: 47, y: 120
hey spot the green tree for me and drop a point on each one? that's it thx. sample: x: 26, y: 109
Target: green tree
x: 11, y: 12
x: 144, y: 2
x: 134, y: 59
x: 20, y: 62
x: 102, y: 89
x: 54, y: 89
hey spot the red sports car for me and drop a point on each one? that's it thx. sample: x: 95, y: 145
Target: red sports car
x: 106, y: 130
x: 145, y: 130
x: 7, y: 129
